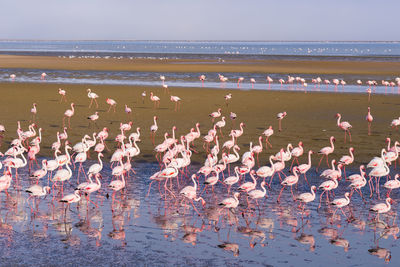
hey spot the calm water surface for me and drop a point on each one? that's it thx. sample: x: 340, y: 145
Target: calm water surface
x: 160, y: 230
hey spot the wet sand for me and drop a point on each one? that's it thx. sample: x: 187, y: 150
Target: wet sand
x: 320, y: 67
x: 311, y: 116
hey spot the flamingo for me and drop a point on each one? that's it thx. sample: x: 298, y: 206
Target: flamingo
x: 256, y: 193
x: 153, y: 129
x: 143, y: 96
x: 34, y: 111
x: 240, y: 79
x: 267, y: 133
x: 13, y: 76
x: 155, y: 99
x: 68, y: 114
x: 327, y: 186
x: 358, y: 184
x: 177, y: 101
x: 380, y: 171
x: 266, y: 171
x: 38, y: 174
x: 230, y: 202
x: 296, y: 153
x: 231, y: 180
x: 43, y: 76
x: 94, y: 117
x: 307, y: 197
x: 92, y: 97
x: 227, y: 97
x: 280, y: 117
x: 344, y: 125
x: 220, y: 124
x: 202, y: 79
x: 304, y: 168
x: 212, y: 180
x: 112, y: 104
x: 347, y: 160
x: 253, y: 81
x: 325, y: 151
x: 392, y: 184
x: 258, y: 148
x: 37, y: 190
x: 381, y: 207
x: 215, y: 114
x: 128, y: 110
x: 96, y: 167
x: 339, y: 203
x: 248, y: 186
x: 289, y: 181
x: 369, y: 119
x: 237, y: 133
x: 62, y: 92
x: 92, y: 187
x: 190, y: 192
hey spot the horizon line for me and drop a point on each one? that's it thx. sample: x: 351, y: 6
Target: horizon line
x: 186, y: 40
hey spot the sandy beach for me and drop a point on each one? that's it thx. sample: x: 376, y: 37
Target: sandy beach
x: 311, y: 116
x: 320, y: 67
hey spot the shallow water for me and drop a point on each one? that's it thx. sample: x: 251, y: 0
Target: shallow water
x: 160, y: 230
x: 179, y: 79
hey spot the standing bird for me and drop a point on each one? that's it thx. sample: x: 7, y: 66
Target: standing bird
x: 155, y: 99
x: 162, y: 78
x: 112, y: 103
x: 34, y: 111
x: 344, y: 125
x: 381, y: 207
x: 62, y: 93
x: 202, y: 79
x: 369, y: 119
x: 215, y: 114
x: 267, y: 133
x: 153, y: 129
x: 240, y: 79
x: 227, y: 97
x: 253, y: 81
x: 325, y: 151
x: 92, y: 97
x: 307, y: 197
x: 43, y: 76
x: 143, y: 96
x: 339, y: 203
x: 230, y: 202
x: 128, y: 110
x: 177, y: 101
x: 69, y: 113
x: 12, y: 77
x: 94, y: 117
x: 280, y: 116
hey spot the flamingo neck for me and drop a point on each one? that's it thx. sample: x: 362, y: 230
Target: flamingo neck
x: 195, y: 184
x: 309, y: 159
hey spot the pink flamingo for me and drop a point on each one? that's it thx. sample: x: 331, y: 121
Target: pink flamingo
x: 253, y: 81
x: 369, y: 119
x: 177, y: 101
x: 327, y: 186
x: 347, y: 160
x: 215, y: 114
x: 43, y: 76
x: 112, y: 104
x: 62, y: 92
x: 307, y: 197
x: 155, y: 99
x: 268, y: 133
x: 258, y: 148
x: 190, y: 192
x: 202, y: 79
x: 392, y: 184
x: 304, y: 168
x: 339, y: 203
x: 68, y: 114
x: 240, y: 79
x: 280, y: 116
x: 296, y: 153
x: 289, y: 181
x: 344, y: 125
x: 92, y: 97
x: 325, y: 151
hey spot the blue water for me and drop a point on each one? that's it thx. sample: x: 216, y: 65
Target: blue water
x: 158, y: 230
x: 178, y: 79
x: 371, y: 50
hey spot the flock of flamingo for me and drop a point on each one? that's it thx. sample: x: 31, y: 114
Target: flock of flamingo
x: 223, y: 166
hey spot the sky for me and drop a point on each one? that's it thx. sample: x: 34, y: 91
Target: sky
x: 263, y: 20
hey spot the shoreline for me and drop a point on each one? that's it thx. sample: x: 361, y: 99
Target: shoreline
x: 361, y: 68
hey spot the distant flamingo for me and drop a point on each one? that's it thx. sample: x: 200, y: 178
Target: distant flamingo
x: 307, y: 197
x: 202, y: 79
x: 240, y: 79
x: 215, y: 114
x: 43, y: 76
x: 253, y: 81
x: 289, y: 181
x: 369, y: 119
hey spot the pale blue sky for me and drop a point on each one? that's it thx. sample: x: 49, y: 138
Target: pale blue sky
x: 200, y: 20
